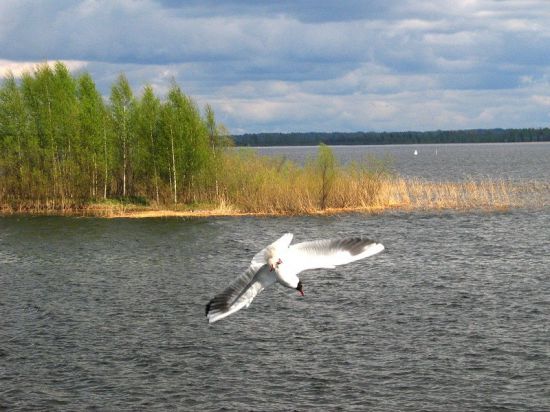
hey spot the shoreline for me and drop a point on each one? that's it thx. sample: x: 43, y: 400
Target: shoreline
x: 144, y: 214
x: 389, y: 196
x: 206, y: 213
x: 168, y: 213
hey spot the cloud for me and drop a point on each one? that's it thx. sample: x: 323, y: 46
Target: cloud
x: 17, y: 69
x: 302, y: 65
x: 310, y: 11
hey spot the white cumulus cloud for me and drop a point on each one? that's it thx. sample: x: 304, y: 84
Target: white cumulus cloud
x: 303, y: 65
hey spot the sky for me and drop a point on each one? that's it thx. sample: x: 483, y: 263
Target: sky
x: 309, y: 65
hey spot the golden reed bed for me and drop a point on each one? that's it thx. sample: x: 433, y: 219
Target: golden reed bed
x: 369, y: 195
x: 245, y: 183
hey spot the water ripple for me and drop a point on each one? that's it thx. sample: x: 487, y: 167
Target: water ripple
x: 109, y: 315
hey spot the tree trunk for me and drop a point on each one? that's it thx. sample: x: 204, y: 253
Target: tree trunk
x: 154, y: 164
x: 124, y: 154
x: 94, y: 178
x: 106, y: 162
x: 174, y: 165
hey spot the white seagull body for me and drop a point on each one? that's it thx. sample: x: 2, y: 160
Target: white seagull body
x: 281, y: 263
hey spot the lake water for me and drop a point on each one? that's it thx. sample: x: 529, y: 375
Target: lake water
x: 100, y: 314
x: 448, y: 162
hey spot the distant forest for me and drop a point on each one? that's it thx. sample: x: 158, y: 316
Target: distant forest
x: 368, y: 138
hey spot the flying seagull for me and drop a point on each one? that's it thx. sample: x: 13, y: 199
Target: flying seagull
x: 281, y: 262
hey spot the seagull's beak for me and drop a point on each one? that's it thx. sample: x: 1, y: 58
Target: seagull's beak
x: 301, y: 292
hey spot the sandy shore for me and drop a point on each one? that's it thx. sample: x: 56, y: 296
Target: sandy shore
x: 160, y: 213
x: 139, y: 214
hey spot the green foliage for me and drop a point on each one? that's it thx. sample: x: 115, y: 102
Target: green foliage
x: 92, y: 157
x: 122, y: 110
x: 148, y: 150
x: 325, y: 166
x: 62, y: 145
x: 13, y: 135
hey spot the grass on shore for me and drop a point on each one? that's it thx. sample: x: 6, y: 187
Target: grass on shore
x: 247, y: 183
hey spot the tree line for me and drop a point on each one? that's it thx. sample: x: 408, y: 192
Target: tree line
x: 62, y: 143
x: 378, y: 138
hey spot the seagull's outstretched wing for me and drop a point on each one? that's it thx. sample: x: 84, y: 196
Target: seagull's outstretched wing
x: 277, y: 247
x: 240, y: 293
x: 295, y: 258
x: 244, y: 289
x: 329, y: 253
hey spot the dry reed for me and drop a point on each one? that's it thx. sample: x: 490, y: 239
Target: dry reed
x: 257, y: 184
x: 247, y: 183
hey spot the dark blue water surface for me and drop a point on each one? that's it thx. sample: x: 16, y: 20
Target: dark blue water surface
x: 443, y: 162
x: 109, y: 315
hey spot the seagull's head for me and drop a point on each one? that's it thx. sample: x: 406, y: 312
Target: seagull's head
x: 274, y: 263
x: 300, y: 288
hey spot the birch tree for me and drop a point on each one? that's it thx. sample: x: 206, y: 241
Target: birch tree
x: 148, y: 118
x: 93, y: 132
x: 122, y: 102
x: 14, y: 138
